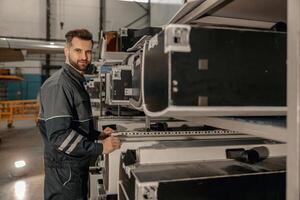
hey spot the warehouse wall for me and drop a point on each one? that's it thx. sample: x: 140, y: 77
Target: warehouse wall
x: 121, y: 13
x: 28, y: 18
x: 163, y: 10
x: 21, y: 18
x: 74, y: 14
x: 30, y: 86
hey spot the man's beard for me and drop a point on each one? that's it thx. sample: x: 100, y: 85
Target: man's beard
x: 77, y: 66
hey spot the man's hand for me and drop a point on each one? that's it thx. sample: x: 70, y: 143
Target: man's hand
x: 106, y: 133
x: 110, y: 144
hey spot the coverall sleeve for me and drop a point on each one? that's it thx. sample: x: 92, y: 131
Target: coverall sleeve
x: 58, y: 105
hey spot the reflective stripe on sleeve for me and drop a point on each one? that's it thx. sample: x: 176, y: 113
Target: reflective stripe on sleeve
x: 75, y: 143
x: 67, y: 140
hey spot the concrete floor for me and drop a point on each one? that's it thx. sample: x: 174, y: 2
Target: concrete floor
x: 22, y: 142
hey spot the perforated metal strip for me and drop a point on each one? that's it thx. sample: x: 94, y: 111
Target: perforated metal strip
x: 175, y: 133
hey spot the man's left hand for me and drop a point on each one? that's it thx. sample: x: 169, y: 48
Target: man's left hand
x: 106, y: 133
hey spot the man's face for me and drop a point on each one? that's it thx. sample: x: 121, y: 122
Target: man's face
x: 79, y: 53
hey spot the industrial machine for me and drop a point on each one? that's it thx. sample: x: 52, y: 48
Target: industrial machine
x: 211, y: 60
x: 201, y: 70
x: 218, y: 179
x: 118, y: 85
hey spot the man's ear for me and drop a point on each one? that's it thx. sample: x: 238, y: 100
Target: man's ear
x: 66, y: 51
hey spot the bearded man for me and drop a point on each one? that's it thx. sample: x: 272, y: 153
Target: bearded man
x: 66, y: 124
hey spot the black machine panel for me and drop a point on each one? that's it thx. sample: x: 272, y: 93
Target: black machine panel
x: 121, y: 86
x: 93, y: 88
x: 213, y: 180
x: 136, y: 76
x: 224, y: 67
x: 259, y: 187
x: 128, y: 37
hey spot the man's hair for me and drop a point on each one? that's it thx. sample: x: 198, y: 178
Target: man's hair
x: 80, y: 33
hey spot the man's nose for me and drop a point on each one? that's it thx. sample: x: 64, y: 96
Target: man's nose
x: 84, y: 56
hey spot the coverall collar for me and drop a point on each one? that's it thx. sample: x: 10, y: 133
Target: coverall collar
x: 74, y: 72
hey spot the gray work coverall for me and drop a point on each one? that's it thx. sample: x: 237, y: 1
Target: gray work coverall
x: 67, y: 128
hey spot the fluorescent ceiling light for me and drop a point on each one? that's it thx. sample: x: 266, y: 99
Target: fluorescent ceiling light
x: 20, y: 189
x: 157, y: 1
x: 19, y: 164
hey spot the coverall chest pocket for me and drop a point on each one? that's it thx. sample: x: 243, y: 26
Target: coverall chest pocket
x: 83, y: 106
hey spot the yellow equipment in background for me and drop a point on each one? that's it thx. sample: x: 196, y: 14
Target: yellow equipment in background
x: 18, y: 110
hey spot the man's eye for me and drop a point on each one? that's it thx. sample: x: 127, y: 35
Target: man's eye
x: 78, y: 50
